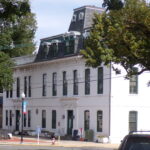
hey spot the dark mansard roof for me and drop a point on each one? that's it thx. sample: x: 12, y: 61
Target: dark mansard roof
x: 70, y: 43
x: 82, y: 18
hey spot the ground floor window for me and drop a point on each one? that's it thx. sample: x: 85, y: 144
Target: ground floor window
x: 86, y: 120
x: 53, y: 119
x: 133, y: 121
x: 43, y: 118
x: 29, y: 118
x: 10, y: 117
x: 6, y: 117
x: 99, y: 121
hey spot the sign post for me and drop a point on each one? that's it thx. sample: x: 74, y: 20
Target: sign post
x: 38, y: 131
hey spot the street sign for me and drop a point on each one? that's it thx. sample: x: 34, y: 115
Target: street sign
x: 38, y: 130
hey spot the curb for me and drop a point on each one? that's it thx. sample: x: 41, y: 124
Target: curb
x: 57, y: 145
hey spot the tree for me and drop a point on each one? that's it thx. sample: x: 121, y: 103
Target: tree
x: 5, y: 71
x: 112, y: 4
x: 17, y: 30
x: 121, y: 37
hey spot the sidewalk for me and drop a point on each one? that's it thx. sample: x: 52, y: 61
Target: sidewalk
x: 61, y: 143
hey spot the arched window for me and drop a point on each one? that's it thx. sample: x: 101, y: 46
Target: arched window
x: 86, y: 120
x: 99, y: 121
x: 74, y: 18
x: 81, y: 15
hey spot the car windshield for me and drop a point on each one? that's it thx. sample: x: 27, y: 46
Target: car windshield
x: 138, y: 143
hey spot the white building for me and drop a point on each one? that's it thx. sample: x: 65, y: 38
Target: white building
x: 63, y: 94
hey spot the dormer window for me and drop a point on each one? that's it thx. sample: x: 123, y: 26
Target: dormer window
x: 81, y: 15
x: 54, y: 48
x: 69, y: 45
x: 74, y: 18
x: 46, y: 46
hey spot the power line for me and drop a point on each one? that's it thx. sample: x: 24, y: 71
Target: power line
x: 61, y: 85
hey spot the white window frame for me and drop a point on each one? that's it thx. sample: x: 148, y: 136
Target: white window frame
x: 74, y: 18
x: 81, y: 15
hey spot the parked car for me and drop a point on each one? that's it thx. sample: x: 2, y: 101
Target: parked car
x: 136, y: 140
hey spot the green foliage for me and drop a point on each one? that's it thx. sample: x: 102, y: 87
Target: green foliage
x: 112, y: 4
x: 11, y: 8
x: 17, y: 30
x: 122, y: 37
x: 6, y: 65
x: 17, y: 27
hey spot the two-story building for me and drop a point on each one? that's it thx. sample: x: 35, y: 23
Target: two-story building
x: 63, y: 94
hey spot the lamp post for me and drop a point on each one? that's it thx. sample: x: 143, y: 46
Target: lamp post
x: 22, y: 103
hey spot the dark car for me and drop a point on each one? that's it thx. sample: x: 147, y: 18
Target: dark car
x: 137, y: 140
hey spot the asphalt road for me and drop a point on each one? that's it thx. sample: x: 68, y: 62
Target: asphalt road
x: 23, y: 147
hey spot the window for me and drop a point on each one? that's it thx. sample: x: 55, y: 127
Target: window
x: 132, y: 121
x: 81, y: 15
x: 75, y: 82
x: 10, y: 117
x: 69, y: 45
x: 54, y: 88
x: 134, y: 83
x: 64, y: 83
x: 53, y: 119
x: 6, y: 117
x: 7, y: 94
x: 86, y: 120
x: 25, y: 86
x: 11, y: 92
x: 43, y: 118
x: 74, y: 18
x: 87, y: 81
x: 18, y: 87
x: 29, y: 118
x: 45, y: 47
x: 24, y: 119
x: 44, y: 85
x: 99, y: 121
x: 29, y: 86
x: 54, y: 49
x: 100, y: 81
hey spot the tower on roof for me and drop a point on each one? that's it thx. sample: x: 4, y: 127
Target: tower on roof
x: 82, y: 18
x: 71, y: 42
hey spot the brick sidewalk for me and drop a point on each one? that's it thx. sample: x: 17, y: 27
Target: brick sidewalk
x: 18, y: 139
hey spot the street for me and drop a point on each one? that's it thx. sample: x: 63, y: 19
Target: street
x: 23, y: 147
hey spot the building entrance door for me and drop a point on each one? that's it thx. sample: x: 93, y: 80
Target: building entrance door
x: 17, y: 120
x: 70, y: 122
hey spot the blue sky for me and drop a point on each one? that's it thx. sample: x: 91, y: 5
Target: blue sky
x: 54, y: 16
